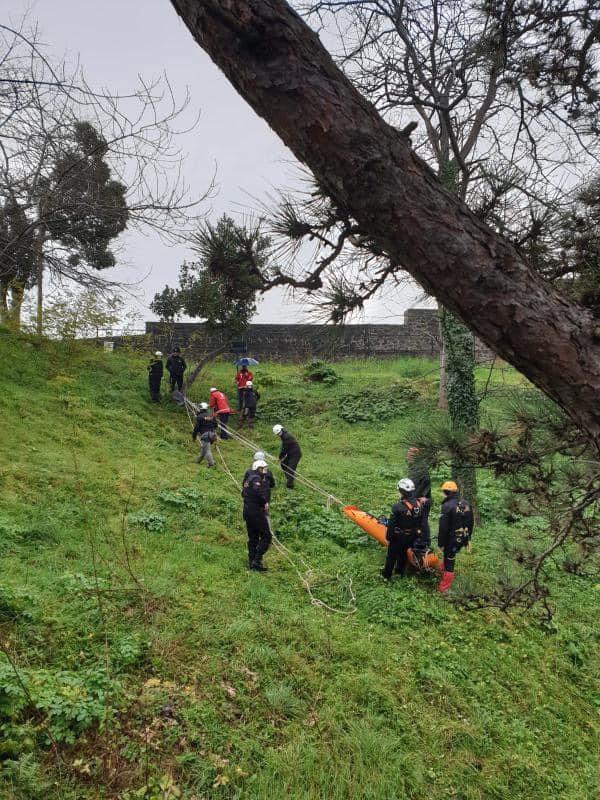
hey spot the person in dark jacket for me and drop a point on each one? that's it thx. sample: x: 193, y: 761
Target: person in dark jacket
x: 155, y: 373
x: 205, y: 428
x: 403, y: 528
x: 266, y: 474
x: 289, y: 455
x: 250, y: 397
x: 256, y: 509
x: 419, y: 475
x: 455, y: 531
x: 176, y: 366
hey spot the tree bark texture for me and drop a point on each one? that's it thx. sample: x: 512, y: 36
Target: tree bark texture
x: 283, y: 71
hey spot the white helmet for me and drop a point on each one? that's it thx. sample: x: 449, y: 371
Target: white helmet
x: 213, y: 389
x: 158, y: 354
x: 277, y: 429
x: 204, y: 406
x: 248, y: 384
x: 406, y: 485
x: 259, y: 464
x: 259, y: 455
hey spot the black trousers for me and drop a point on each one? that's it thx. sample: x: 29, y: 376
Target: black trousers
x: 223, y: 420
x: 154, y: 385
x: 176, y: 380
x: 451, y: 550
x: 396, y: 553
x: 288, y: 465
x: 259, y: 534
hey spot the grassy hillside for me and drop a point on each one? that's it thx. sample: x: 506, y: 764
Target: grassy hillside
x: 141, y: 659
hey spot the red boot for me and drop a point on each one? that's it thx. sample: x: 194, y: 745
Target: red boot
x: 446, y: 582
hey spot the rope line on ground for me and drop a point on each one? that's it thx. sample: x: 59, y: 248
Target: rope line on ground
x: 250, y: 445
x: 288, y: 555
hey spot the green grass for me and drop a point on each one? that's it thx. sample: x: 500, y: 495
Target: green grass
x: 152, y: 655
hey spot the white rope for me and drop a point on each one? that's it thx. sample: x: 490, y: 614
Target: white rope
x: 329, y: 497
x: 287, y: 554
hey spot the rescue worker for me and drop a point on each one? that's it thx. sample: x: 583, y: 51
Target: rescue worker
x: 455, y: 531
x: 289, y: 455
x: 205, y: 427
x: 250, y: 398
x: 220, y: 408
x: 403, y: 527
x: 267, y: 475
x: 256, y: 508
x: 155, y: 373
x: 176, y: 366
x: 242, y: 376
x: 419, y: 475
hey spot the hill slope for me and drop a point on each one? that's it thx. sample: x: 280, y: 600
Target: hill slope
x: 139, y: 655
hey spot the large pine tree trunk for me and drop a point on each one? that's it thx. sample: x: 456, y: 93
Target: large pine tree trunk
x: 280, y: 67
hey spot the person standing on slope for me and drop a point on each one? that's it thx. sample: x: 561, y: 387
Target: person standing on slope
x: 242, y: 376
x: 205, y: 428
x: 176, y: 366
x: 250, y: 398
x: 403, y: 528
x: 256, y: 509
x: 455, y: 531
x: 266, y: 474
x: 219, y: 405
x: 155, y: 373
x: 289, y: 455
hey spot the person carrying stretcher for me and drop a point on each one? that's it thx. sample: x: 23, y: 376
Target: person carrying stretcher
x: 403, y: 528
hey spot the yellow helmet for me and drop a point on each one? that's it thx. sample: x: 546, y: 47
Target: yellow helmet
x: 449, y: 486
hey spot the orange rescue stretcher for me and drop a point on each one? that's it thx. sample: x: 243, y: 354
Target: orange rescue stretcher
x: 427, y: 562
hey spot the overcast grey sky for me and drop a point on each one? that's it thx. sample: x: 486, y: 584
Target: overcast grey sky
x: 117, y: 40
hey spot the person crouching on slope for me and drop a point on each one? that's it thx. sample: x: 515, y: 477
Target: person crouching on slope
x: 455, y: 531
x: 205, y: 427
x: 289, y: 455
x: 220, y: 408
x: 403, y: 528
x: 256, y: 508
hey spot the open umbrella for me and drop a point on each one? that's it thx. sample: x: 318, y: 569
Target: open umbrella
x: 246, y: 362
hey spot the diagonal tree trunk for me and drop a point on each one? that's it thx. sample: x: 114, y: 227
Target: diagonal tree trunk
x: 280, y: 67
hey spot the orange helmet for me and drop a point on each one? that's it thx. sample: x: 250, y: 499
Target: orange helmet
x: 449, y: 486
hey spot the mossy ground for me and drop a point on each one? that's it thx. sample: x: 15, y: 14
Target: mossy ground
x: 156, y: 660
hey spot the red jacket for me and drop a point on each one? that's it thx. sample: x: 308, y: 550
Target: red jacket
x: 242, y: 378
x: 219, y: 403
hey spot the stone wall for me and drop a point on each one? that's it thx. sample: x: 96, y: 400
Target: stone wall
x: 418, y: 336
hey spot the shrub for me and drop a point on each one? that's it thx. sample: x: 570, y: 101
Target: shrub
x: 184, y: 497
x: 70, y: 701
x: 280, y: 409
x: 148, y: 520
x: 389, y: 402
x: 321, y: 372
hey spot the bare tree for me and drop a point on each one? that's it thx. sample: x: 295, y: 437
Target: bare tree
x: 44, y: 170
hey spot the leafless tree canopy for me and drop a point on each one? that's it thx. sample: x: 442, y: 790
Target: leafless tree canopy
x: 41, y: 105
